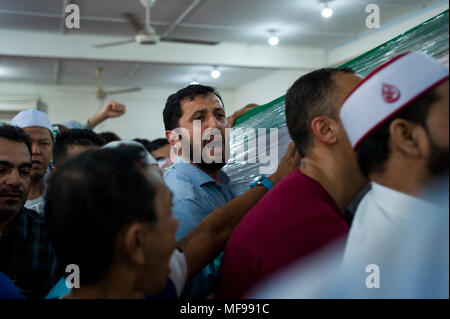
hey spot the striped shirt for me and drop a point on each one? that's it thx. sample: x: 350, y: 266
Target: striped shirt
x: 26, y: 255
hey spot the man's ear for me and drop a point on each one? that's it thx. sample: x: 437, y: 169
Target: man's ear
x: 325, y: 129
x: 409, y: 138
x: 171, y: 138
x: 133, y: 241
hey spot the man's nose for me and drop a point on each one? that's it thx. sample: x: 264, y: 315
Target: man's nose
x: 35, y: 149
x: 212, y: 122
x: 14, y: 178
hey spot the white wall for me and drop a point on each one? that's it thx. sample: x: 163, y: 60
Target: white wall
x: 144, y: 109
x: 267, y: 88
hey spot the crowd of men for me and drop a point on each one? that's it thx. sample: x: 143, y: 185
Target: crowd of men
x: 135, y: 222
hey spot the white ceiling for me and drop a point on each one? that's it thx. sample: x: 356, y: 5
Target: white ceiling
x: 298, y: 23
x: 120, y: 74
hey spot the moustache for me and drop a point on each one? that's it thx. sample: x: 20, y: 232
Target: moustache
x: 12, y: 192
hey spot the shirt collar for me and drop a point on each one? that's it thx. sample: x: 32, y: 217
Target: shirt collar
x: 399, y: 203
x: 196, y: 175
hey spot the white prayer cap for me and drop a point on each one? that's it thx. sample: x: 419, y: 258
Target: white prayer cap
x: 72, y: 125
x: 32, y: 118
x: 387, y: 90
x: 149, y: 158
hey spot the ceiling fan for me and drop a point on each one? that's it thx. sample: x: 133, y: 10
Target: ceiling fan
x: 101, y: 93
x: 146, y: 34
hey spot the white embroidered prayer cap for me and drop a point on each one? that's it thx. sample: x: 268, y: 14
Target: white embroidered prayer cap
x: 387, y: 90
x: 30, y: 118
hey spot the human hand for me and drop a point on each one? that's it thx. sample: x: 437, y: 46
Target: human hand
x: 113, y: 109
x: 231, y: 119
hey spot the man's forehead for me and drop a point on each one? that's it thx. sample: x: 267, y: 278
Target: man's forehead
x: 37, y: 132
x: 74, y: 149
x: 442, y: 90
x: 13, y: 151
x: 201, y: 101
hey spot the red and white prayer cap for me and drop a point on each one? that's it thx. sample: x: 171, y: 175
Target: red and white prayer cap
x: 387, y: 90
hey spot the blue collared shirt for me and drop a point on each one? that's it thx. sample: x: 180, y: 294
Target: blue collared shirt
x: 196, y: 195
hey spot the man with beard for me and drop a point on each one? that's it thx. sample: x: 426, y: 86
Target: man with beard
x: 198, y: 187
x: 401, y: 138
x: 26, y: 255
x: 198, y: 184
x: 38, y: 127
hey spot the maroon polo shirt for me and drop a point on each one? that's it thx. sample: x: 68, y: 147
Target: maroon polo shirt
x: 294, y: 219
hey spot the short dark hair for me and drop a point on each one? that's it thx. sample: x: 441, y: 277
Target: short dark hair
x: 15, y: 133
x: 109, y: 137
x: 146, y: 143
x: 310, y: 96
x: 74, y: 137
x: 373, y: 152
x: 173, y: 111
x: 158, y: 143
x: 90, y: 199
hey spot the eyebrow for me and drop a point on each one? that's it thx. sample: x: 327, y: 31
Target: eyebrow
x: 6, y: 163
x: 198, y: 112
x: 9, y: 164
x: 202, y: 111
x: 25, y: 165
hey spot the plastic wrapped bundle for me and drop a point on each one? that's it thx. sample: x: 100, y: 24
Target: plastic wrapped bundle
x: 431, y: 37
x: 241, y: 168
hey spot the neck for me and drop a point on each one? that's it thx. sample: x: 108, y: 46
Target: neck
x: 342, y: 182
x: 37, y: 188
x: 402, y: 177
x: 215, y: 175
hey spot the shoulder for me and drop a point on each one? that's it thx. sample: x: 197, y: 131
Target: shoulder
x: 180, y: 184
x: 291, y: 191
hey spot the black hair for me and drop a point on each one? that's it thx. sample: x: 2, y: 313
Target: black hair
x: 310, y: 96
x: 373, y: 152
x: 158, y: 143
x: 74, y: 137
x: 173, y: 112
x: 109, y: 137
x: 15, y: 133
x: 146, y: 143
x: 90, y: 198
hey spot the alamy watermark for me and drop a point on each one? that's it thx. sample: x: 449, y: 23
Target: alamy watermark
x: 213, y: 146
x: 373, y: 19
x: 73, y: 276
x: 73, y: 17
x: 373, y: 280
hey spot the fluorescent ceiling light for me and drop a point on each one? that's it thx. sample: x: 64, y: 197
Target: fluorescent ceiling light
x: 273, y: 40
x: 215, y: 74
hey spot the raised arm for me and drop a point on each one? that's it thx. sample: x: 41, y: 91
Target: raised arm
x: 111, y: 109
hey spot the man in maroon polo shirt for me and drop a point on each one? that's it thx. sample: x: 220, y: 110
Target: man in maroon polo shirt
x: 303, y: 212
